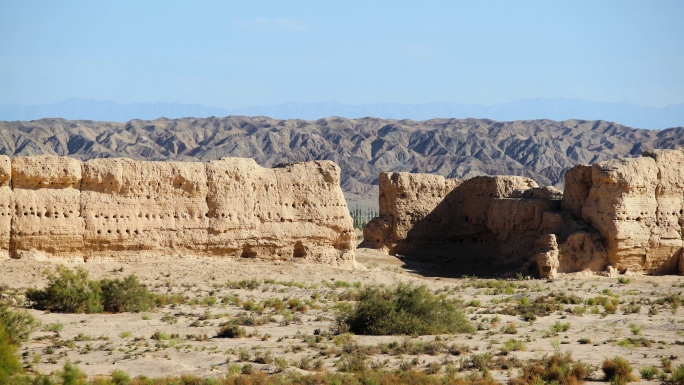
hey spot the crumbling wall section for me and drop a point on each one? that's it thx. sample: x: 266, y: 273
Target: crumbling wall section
x: 290, y: 211
x: 426, y: 215
x: 637, y: 204
x: 6, y: 206
x: 406, y: 202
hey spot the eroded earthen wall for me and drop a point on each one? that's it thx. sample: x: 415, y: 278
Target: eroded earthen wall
x: 636, y: 205
x: 407, y: 202
x: 123, y: 209
x: 621, y: 215
x: 425, y: 215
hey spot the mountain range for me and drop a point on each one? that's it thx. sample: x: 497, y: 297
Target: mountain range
x: 525, y: 109
x: 457, y: 148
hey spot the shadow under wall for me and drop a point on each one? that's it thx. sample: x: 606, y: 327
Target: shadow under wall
x: 446, y: 243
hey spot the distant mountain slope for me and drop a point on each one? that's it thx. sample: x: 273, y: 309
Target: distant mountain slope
x: 526, y: 109
x: 540, y: 149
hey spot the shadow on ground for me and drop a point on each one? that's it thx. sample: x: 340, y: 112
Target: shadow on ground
x: 438, y: 267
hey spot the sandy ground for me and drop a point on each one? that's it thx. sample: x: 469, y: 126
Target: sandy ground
x: 101, y: 343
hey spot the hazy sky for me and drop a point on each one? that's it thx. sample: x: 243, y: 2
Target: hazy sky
x: 233, y: 54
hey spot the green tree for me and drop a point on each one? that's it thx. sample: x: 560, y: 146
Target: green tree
x: 9, y: 362
x: 18, y: 324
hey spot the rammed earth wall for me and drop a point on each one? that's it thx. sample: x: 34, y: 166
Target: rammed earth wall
x: 121, y: 209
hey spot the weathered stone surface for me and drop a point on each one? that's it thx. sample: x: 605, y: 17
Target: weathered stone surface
x: 131, y: 206
x: 546, y: 192
x: 510, y: 217
x: 623, y: 205
x: 582, y: 251
x: 473, y: 197
x: 426, y: 215
x: 46, y: 171
x: 291, y: 211
x: 577, y: 185
x: 123, y: 209
x: 6, y: 205
x: 47, y: 207
x: 406, y: 200
x: 546, y: 256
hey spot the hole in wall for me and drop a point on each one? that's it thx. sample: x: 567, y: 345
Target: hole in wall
x: 299, y: 250
x: 247, y: 252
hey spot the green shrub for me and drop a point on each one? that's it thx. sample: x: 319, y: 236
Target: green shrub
x: 636, y: 329
x: 530, y: 310
x: 68, y: 292
x: 53, y: 327
x: 18, y: 324
x: 9, y: 361
x: 125, y: 296
x: 648, y: 372
x: 560, y: 327
x: 678, y: 375
x: 513, y: 345
x: 405, y: 309
x: 558, y: 368
x: 617, y: 370
x: 120, y: 377
x: 71, y: 375
x: 251, y: 284
x: 352, y: 361
x: 510, y: 328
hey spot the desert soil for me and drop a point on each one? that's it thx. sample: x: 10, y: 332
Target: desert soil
x: 101, y: 343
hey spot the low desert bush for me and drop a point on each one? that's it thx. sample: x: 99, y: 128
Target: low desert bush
x: 125, y: 296
x: 120, y: 377
x: 529, y: 311
x: 617, y: 370
x: 513, y: 345
x: 648, y: 372
x: 510, y: 328
x: 251, y: 284
x: 405, y: 309
x: 559, y: 368
x: 636, y: 329
x: 678, y: 375
x: 231, y: 330
x: 559, y: 327
x: 70, y: 291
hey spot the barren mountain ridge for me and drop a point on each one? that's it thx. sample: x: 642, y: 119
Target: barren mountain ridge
x: 454, y: 148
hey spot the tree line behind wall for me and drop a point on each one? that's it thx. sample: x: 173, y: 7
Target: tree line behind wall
x: 362, y: 216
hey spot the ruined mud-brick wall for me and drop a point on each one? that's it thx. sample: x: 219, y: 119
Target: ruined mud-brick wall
x: 405, y: 201
x: 425, y: 214
x: 619, y: 215
x: 637, y: 205
x: 125, y: 209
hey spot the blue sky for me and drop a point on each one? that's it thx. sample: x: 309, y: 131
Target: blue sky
x: 234, y: 54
